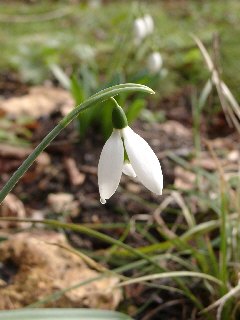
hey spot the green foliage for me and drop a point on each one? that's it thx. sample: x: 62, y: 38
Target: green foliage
x: 62, y: 314
x: 83, y: 85
x: 49, y: 32
x: 134, y: 109
x: 13, y: 131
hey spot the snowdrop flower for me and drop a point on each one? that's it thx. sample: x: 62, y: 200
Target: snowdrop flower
x: 143, y: 163
x: 154, y: 62
x: 139, y: 30
x: 142, y: 27
x: 95, y: 3
x: 149, y: 23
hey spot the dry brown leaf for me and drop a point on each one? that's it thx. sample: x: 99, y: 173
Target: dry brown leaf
x: 205, y: 161
x: 133, y: 187
x: 174, y: 128
x: 12, y: 207
x: 38, y: 102
x: 63, y: 202
x: 15, y: 152
x: 88, y: 169
x: 229, y: 142
x: 183, y: 179
x: 76, y: 177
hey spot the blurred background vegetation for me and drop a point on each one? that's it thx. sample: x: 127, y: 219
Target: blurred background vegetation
x: 36, y: 34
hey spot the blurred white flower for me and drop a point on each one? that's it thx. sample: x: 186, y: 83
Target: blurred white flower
x: 144, y: 164
x: 154, y: 62
x: 149, y: 23
x: 94, y: 3
x: 85, y: 52
x: 139, y: 29
x: 142, y: 27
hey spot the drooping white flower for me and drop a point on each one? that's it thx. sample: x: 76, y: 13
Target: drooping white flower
x: 143, y: 163
x: 139, y: 30
x: 154, y: 62
x: 94, y: 3
x: 143, y: 27
x: 149, y: 23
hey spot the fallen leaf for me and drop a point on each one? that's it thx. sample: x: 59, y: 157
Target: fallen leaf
x: 63, y: 202
x: 76, y: 177
x: 183, y: 179
x: 12, y: 207
x: 39, y: 101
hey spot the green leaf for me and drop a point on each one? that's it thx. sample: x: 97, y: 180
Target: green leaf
x: 62, y: 314
x: 60, y: 75
x: 77, y: 90
x: 81, y: 88
x: 134, y: 109
x: 79, y: 95
x: 105, y: 114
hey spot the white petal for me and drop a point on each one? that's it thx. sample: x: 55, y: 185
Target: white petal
x: 154, y: 62
x: 144, y: 161
x: 110, y: 166
x: 149, y: 23
x: 128, y: 170
x: 139, y: 29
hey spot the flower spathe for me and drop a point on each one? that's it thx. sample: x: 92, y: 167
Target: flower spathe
x: 143, y: 164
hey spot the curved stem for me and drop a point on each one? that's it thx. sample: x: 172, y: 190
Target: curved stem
x: 98, y: 97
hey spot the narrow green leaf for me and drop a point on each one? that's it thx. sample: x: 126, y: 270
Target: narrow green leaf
x: 173, y: 274
x: 134, y: 109
x: 62, y: 314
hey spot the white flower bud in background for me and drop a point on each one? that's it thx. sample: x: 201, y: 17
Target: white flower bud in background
x: 143, y: 27
x: 154, y: 62
x: 94, y: 3
x: 149, y: 23
x: 139, y: 30
x: 85, y: 52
